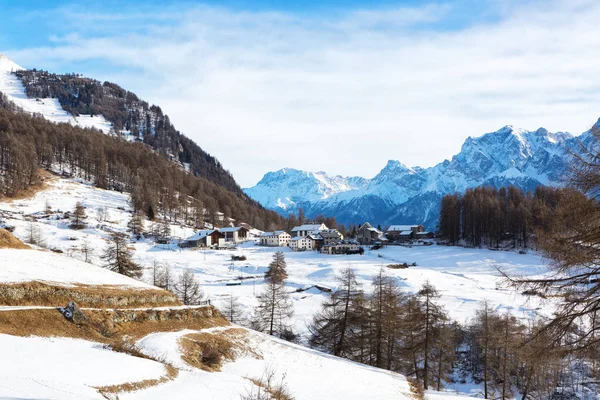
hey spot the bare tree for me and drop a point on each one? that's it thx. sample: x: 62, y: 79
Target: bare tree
x: 187, y: 288
x: 274, y: 309
x: 35, y: 235
x: 136, y: 224
x: 87, y: 250
x: 333, y: 328
x: 233, y: 310
x: 277, y: 268
x: 118, y: 257
x: 78, y: 217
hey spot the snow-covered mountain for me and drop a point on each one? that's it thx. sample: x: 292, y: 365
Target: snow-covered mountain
x: 401, y: 194
x: 50, y: 108
x: 289, y: 189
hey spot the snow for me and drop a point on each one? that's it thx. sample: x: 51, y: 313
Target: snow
x: 61, y: 368
x: 17, y: 266
x: 50, y: 108
x: 303, y: 370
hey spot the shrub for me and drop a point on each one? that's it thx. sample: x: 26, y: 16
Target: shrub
x: 210, y: 356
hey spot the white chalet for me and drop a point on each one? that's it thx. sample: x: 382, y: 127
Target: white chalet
x: 277, y: 238
x: 307, y: 229
x: 300, y: 243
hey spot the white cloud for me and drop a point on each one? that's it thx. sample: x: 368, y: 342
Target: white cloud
x: 266, y: 90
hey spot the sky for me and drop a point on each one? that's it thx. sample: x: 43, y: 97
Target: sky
x: 335, y: 86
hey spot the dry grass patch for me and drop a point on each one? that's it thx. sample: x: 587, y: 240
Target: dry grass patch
x: 170, y: 375
x: 45, y: 322
x: 206, y: 350
x: 137, y: 330
x: 9, y: 241
x: 45, y: 294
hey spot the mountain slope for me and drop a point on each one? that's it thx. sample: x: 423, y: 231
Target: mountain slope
x: 88, y: 103
x: 400, y: 194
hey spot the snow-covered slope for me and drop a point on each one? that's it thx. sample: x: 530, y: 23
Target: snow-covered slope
x: 289, y: 189
x: 49, y: 108
x: 18, y: 266
x: 308, y: 374
x: 400, y: 194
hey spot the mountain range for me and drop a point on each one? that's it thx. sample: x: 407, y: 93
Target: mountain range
x: 399, y: 194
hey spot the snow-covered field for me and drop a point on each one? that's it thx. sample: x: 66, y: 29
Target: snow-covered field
x: 65, y: 369
x: 308, y: 374
x: 17, y: 266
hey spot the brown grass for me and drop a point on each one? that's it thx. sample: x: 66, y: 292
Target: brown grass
x: 44, y: 322
x: 43, y: 294
x: 9, y: 241
x: 138, y: 330
x: 416, y: 389
x: 171, y: 374
x: 228, y: 343
x: 98, y: 327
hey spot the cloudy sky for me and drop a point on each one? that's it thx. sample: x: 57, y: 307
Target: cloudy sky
x: 338, y: 86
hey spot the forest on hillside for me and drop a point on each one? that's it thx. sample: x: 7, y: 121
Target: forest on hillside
x: 158, y: 187
x: 492, y: 217
x: 147, y: 123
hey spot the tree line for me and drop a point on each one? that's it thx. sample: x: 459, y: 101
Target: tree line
x: 487, y: 216
x: 158, y: 187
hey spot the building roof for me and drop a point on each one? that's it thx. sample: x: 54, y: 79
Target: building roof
x: 394, y: 228
x: 232, y: 229
x: 277, y: 233
x: 331, y: 234
x: 374, y: 230
x: 406, y: 233
x: 309, y: 227
x: 265, y: 234
x: 315, y: 236
x: 296, y: 238
x: 422, y: 233
x: 200, y: 234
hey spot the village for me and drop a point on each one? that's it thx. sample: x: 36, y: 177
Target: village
x: 310, y: 237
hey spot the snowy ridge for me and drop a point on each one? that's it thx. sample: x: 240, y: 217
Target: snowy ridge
x: 273, y: 191
x: 401, y: 194
x: 49, y: 108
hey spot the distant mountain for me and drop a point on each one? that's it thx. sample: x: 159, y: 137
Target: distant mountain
x: 401, y: 194
x: 289, y: 189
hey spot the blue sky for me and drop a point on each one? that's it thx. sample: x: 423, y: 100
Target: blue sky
x: 339, y: 86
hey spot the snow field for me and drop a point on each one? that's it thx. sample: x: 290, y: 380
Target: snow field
x: 18, y: 266
x: 61, y: 368
x: 308, y: 374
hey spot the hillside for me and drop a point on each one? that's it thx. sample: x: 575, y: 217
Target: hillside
x: 54, y: 122
x: 401, y: 194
